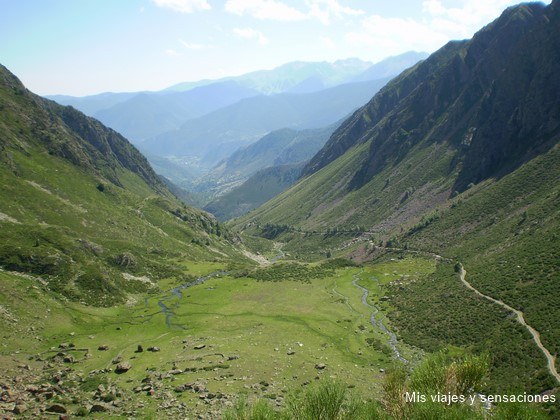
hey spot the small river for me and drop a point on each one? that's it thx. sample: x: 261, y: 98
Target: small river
x: 379, y: 323
x: 177, y: 292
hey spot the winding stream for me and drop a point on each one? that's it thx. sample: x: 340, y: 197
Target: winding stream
x: 176, y: 292
x: 378, y: 323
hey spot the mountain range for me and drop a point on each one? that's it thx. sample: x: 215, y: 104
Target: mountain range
x: 187, y: 129
x: 216, y: 135
x: 305, y: 77
x: 141, y: 115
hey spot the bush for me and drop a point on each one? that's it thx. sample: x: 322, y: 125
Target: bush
x: 245, y: 411
x: 126, y: 260
x: 323, y: 401
x: 394, y: 389
x: 460, y: 377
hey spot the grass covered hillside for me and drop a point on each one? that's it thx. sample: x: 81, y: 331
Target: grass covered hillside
x: 279, y: 147
x: 258, y: 189
x: 506, y: 234
x: 83, y: 209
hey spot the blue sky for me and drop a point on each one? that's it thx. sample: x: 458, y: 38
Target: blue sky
x: 81, y: 47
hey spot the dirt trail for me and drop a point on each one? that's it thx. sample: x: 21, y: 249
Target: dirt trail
x: 521, y: 319
x: 551, y: 360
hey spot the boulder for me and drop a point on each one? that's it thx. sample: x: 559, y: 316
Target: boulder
x: 57, y: 408
x: 99, y: 408
x: 123, y: 367
x: 20, y: 408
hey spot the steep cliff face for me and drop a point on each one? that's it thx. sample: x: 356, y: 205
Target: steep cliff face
x: 492, y: 99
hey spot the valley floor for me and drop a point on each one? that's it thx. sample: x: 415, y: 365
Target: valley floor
x: 197, y: 347
x: 202, y: 346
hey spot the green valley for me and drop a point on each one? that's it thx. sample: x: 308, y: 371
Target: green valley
x: 402, y: 263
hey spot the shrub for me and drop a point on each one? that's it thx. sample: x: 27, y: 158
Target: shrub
x: 394, y: 389
x: 242, y: 410
x: 323, y: 401
x: 439, y: 374
x: 126, y: 259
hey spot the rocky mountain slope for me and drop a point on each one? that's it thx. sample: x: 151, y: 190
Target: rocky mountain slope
x: 492, y: 99
x: 474, y: 110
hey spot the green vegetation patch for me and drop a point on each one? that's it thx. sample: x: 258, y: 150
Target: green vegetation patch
x: 439, y: 310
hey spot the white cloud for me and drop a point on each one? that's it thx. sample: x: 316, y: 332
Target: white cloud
x: 328, y: 42
x: 183, y: 6
x: 264, y: 9
x: 325, y: 10
x: 172, y: 53
x: 433, y: 7
x: 322, y: 10
x: 437, y: 25
x: 393, y: 34
x: 192, y: 46
x: 249, y: 33
x: 463, y: 21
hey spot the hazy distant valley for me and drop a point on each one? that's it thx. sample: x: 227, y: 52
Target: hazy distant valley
x: 345, y: 240
x: 190, y: 132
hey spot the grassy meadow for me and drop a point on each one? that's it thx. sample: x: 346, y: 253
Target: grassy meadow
x: 236, y: 335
